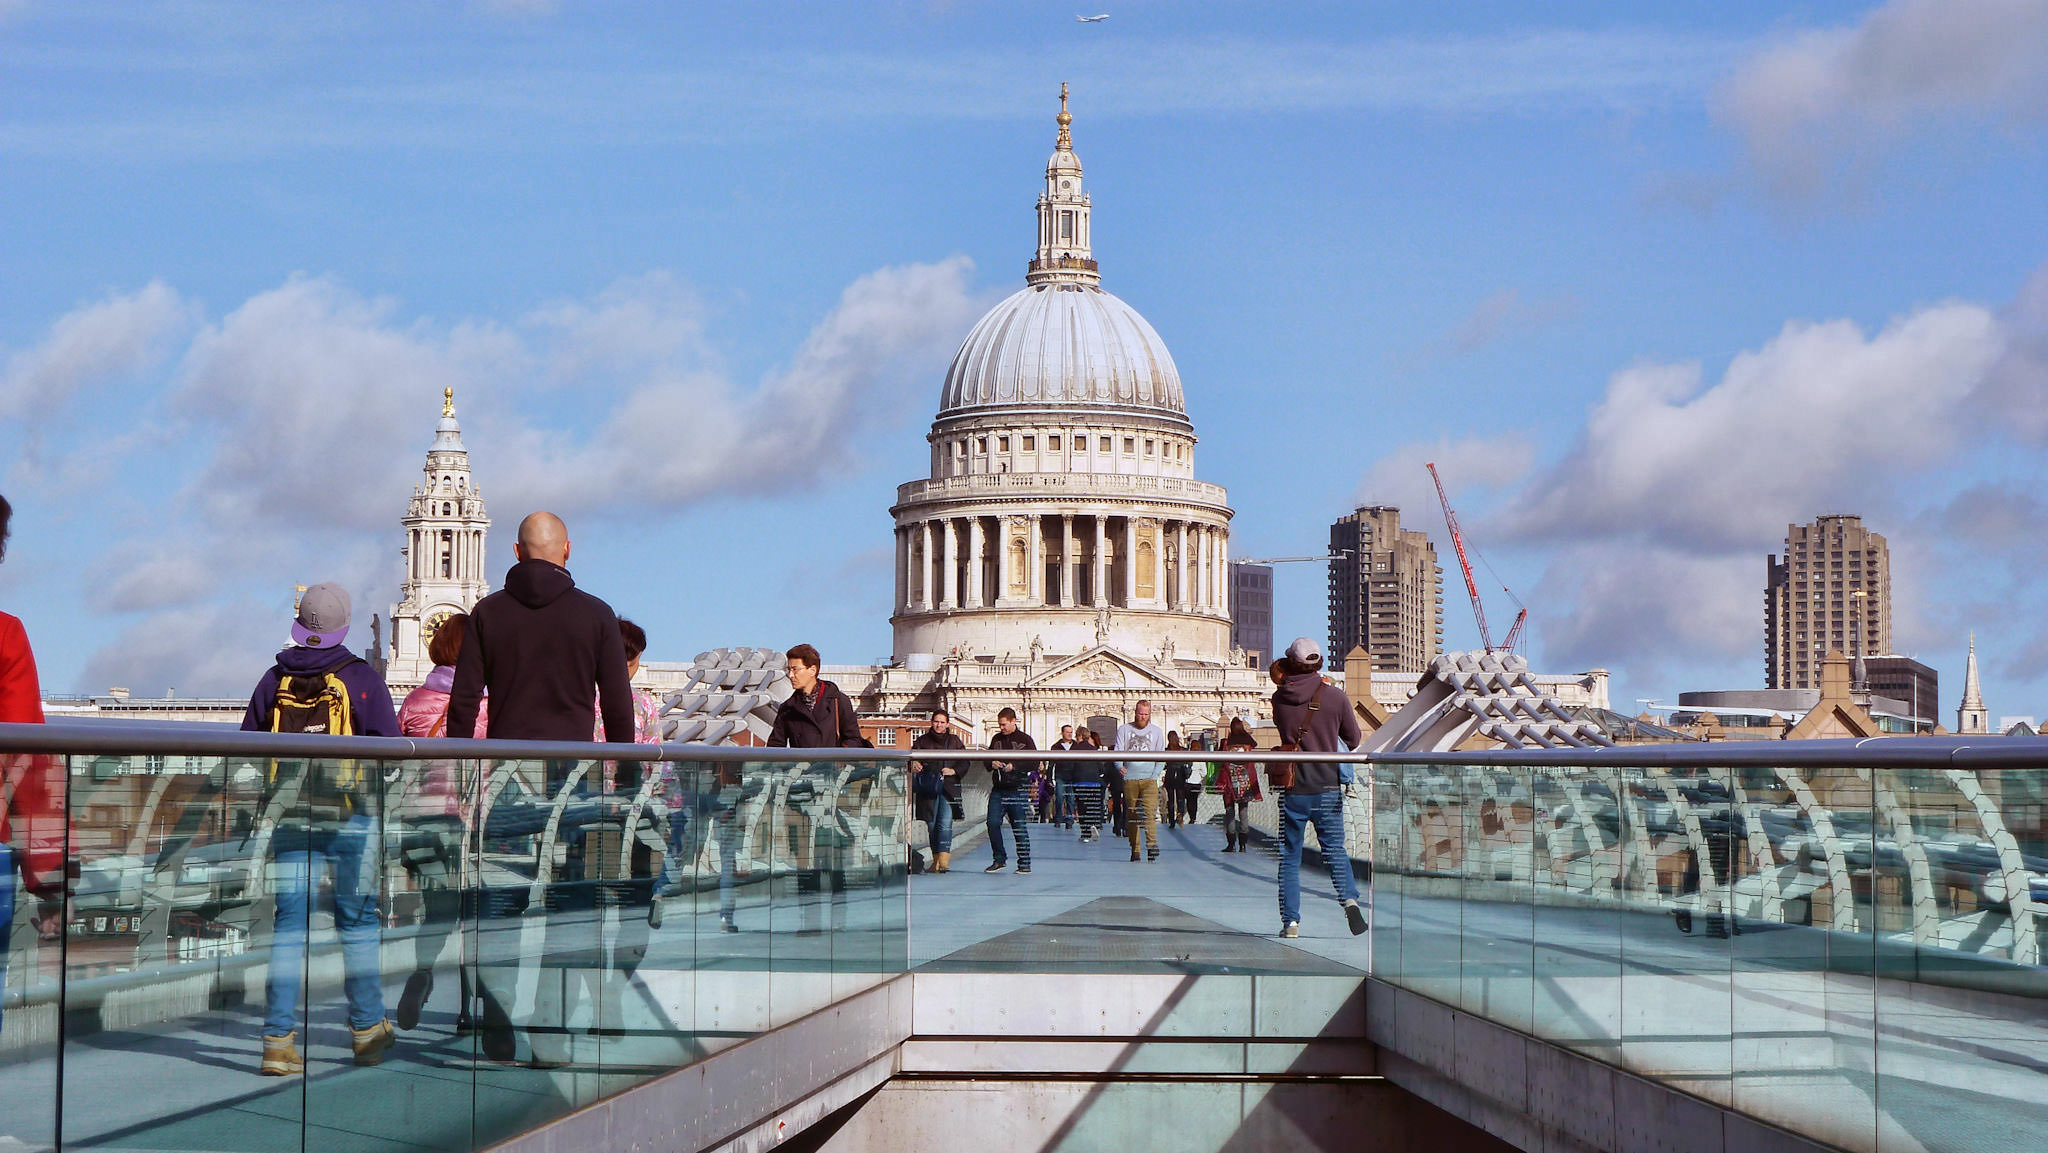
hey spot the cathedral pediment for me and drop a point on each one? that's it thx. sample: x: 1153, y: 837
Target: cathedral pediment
x: 1103, y: 667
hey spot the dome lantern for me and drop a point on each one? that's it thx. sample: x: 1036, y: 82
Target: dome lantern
x: 1064, y: 255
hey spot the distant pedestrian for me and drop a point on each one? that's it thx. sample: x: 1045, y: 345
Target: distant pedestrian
x: 1314, y: 716
x: 1238, y: 781
x: 328, y: 811
x: 1142, y: 778
x: 1087, y: 788
x: 1063, y: 780
x: 1113, y: 789
x: 1184, y: 781
x: 550, y: 656
x: 1007, y: 798
x: 937, y: 787
x: 32, y: 822
x: 436, y: 822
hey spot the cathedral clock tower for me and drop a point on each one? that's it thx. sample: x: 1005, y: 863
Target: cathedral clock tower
x: 444, y: 552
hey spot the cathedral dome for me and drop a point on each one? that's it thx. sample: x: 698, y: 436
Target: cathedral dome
x: 1063, y: 345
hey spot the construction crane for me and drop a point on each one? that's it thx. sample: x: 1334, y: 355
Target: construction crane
x: 1507, y: 645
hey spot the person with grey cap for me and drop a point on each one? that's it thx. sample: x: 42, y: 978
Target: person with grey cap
x: 326, y: 818
x: 1314, y: 717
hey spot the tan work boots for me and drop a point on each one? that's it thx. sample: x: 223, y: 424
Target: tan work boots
x: 281, y: 1054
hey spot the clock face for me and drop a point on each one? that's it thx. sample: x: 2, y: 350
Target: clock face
x: 433, y: 625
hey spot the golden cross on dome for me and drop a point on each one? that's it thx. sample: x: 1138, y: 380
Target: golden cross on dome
x: 1065, y: 118
x: 448, y: 401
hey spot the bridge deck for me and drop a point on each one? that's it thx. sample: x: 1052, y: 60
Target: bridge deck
x: 1757, y: 1021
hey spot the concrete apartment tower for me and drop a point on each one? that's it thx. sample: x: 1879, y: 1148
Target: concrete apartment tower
x: 444, y: 551
x: 1251, y: 614
x: 1386, y: 591
x: 1832, y: 591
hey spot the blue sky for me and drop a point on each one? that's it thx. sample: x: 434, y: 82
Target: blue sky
x: 1648, y: 281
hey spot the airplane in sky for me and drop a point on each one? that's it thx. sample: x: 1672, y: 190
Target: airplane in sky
x: 1092, y: 19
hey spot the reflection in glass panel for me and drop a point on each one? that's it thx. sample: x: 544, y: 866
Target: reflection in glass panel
x: 1959, y: 995
x: 33, y: 931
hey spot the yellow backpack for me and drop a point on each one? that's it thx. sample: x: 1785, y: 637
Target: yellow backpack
x: 319, y: 703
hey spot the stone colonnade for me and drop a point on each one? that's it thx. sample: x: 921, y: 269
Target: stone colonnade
x: 1068, y: 560
x: 464, y: 551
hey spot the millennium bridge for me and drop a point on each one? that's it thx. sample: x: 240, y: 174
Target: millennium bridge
x: 1770, y: 946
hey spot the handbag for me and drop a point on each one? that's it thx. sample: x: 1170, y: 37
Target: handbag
x: 1280, y: 774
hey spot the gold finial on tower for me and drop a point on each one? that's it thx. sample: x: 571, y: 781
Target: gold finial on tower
x: 1066, y: 119
x: 448, y: 401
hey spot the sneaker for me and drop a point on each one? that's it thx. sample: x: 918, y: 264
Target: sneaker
x: 1134, y: 854
x: 1291, y: 929
x: 728, y: 925
x: 1356, y: 916
x: 1152, y: 854
x: 370, y: 1043
x: 417, y: 988
x: 1023, y: 869
x: 281, y: 1056
x: 998, y: 867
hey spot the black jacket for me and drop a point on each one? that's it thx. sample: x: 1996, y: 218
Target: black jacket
x: 824, y: 721
x: 548, y: 652
x: 1018, y: 775
x: 1332, y: 718
x: 932, y: 740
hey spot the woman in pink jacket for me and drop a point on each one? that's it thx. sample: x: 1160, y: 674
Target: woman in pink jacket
x: 436, y: 816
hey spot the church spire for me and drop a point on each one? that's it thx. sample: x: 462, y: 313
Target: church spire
x: 1971, y: 716
x: 1064, y: 254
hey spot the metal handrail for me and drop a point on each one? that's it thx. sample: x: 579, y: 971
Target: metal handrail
x: 1993, y: 752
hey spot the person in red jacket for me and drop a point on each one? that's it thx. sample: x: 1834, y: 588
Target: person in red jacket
x: 32, y: 832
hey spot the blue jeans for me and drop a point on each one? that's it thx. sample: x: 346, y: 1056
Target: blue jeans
x: 687, y: 828
x: 1063, y: 803
x: 6, y: 904
x: 1011, y: 803
x: 941, y: 824
x: 300, y: 855
x: 1326, y: 812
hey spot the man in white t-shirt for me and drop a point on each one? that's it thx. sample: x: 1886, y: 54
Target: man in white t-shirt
x: 1141, y: 778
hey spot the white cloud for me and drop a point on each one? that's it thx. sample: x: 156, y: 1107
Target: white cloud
x: 1651, y: 610
x: 1805, y: 104
x: 685, y: 435
x: 306, y: 411
x: 312, y: 397
x: 118, y: 337
x: 1651, y: 527
x: 2016, y: 393
x: 1507, y: 313
x: 1481, y: 464
x: 208, y: 650
x: 1821, y: 415
x: 508, y: 100
x: 131, y: 579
